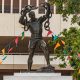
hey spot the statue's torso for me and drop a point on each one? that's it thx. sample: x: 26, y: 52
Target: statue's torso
x: 35, y: 28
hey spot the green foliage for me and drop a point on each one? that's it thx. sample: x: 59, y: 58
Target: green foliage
x: 71, y: 37
x: 70, y: 7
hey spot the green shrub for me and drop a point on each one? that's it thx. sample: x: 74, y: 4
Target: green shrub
x: 71, y: 37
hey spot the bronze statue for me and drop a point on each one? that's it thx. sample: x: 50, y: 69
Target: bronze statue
x: 35, y: 27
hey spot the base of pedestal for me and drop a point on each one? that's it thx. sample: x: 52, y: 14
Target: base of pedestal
x: 37, y: 76
x: 46, y: 69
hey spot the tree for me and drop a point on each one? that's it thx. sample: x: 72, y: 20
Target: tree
x: 68, y: 49
x: 68, y: 7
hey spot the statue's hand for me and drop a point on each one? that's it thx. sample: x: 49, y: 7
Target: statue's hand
x: 23, y: 12
x: 46, y: 5
x: 27, y: 9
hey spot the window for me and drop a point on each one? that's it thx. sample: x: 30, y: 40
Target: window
x: 41, y: 9
x: 7, y: 5
x: 59, y: 9
x: 33, y: 2
x: 24, y: 3
x: 0, y: 6
x: 15, y: 6
x: 52, y: 8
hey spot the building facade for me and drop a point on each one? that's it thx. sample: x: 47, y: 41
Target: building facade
x: 10, y: 13
x: 15, y: 6
x: 9, y: 26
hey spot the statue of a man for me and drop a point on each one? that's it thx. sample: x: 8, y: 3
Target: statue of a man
x: 35, y: 27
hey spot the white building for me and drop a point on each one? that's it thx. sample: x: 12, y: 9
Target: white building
x: 9, y: 26
x: 10, y: 13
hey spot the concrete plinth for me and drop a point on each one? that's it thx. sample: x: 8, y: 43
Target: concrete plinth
x: 37, y: 76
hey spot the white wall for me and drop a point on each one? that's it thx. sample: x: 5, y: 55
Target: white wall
x: 22, y: 59
x: 38, y: 77
x: 9, y: 25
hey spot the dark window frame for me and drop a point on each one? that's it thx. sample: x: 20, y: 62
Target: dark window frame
x: 33, y: 3
x: 24, y: 3
x: 15, y: 6
x: 41, y: 10
x: 7, y: 6
x: 0, y: 6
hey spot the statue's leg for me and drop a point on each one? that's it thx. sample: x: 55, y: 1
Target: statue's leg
x: 30, y: 59
x: 45, y: 50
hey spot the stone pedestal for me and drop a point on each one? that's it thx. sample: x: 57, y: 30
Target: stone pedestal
x: 37, y: 76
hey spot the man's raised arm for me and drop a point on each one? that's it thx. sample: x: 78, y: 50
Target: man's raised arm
x: 23, y: 20
x: 48, y: 12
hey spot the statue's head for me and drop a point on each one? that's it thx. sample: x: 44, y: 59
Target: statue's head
x: 32, y: 15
